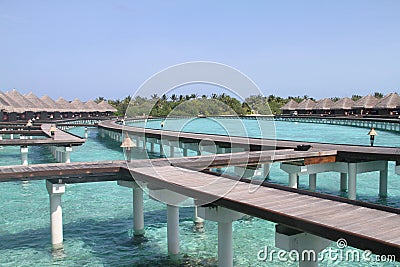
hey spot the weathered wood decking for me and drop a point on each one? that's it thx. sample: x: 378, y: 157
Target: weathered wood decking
x: 348, y: 153
x: 61, y: 138
x: 365, y: 226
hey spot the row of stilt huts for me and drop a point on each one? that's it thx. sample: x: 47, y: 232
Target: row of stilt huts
x: 15, y: 106
x: 367, y: 105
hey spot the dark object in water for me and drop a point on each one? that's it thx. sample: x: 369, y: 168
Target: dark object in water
x: 302, y: 147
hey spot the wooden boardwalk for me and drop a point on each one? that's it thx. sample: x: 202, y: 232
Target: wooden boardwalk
x: 349, y: 153
x: 363, y: 225
x: 61, y: 138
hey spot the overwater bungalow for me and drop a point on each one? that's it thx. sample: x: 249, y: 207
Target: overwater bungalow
x: 56, y: 110
x: 306, y: 107
x: 93, y: 108
x: 365, y: 105
x: 106, y: 109
x: 14, y: 110
x: 66, y: 108
x: 290, y: 107
x: 388, y: 105
x: 81, y: 109
x: 43, y: 107
x: 342, y: 107
x: 323, y: 106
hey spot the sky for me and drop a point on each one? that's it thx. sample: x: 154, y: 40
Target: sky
x: 109, y: 48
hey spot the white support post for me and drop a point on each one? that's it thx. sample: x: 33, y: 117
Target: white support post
x: 24, y: 155
x: 225, y: 248
x: 138, y: 217
x: 198, y: 221
x: 224, y: 217
x: 173, y: 230
x: 67, y: 154
x: 55, y: 191
x: 383, y: 180
x: 312, y: 181
x: 293, y: 178
x: 352, y: 181
x: 343, y: 181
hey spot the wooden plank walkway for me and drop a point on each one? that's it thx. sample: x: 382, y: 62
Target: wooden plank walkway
x: 363, y: 225
x: 364, y: 228
x: 61, y: 138
x: 344, y: 152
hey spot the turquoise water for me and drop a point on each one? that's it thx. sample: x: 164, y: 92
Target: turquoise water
x: 98, y: 216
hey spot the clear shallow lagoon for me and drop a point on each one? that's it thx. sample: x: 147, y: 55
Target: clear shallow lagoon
x: 98, y: 216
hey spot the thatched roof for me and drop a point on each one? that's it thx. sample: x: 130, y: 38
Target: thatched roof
x: 4, y: 105
x: 367, y: 101
x: 291, y: 105
x: 343, y: 104
x: 21, y: 100
x: 104, y: 107
x: 50, y: 102
x: 390, y: 101
x: 306, y: 104
x: 64, y: 105
x: 92, y: 106
x: 79, y: 105
x: 324, y: 104
x: 38, y: 103
x: 12, y: 106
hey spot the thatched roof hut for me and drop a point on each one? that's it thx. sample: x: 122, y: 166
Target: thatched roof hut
x: 390, y: 101
x: 366, y: 102
x: 105, y: 107
x: 306, y: 104
x: 343, y: 104
x: 92, y: 106
x: 290, y: 106
x: 22, y: 101
x: 65, y: 106
x: 4, y: 105
x: 79, y: 105
x: 324, y: 104
x: 12, y: 106
x: 38, y: 103
x: 50, y: 102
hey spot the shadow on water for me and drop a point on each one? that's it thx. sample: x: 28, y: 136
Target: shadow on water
x: 111, y: 242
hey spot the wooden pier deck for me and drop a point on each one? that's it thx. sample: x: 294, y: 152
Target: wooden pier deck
x: 61, y: 138
x: 348, y: 153
x: 363, y: 225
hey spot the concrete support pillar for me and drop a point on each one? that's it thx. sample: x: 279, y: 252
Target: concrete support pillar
x: 185, y: 152
x: 138, y: 216
x: 67, y: 154
x: 352, y: 181
x: 173, y: 230
x: 307, y: 245
x: 224, y: 217
x: 343, y: 181
x: 151, y: 146
x: 265, y: 170
x: 293, y: 179
x: 198, y: 221
x: 383, y: 180
x: 225, y: 244
x: 162, y: 153
x: 1, y: 138
x: 171, y: 151
x: 86, y: 133
x: 11, y: 136
x: 24, y: 155
x: 312, y: 181
x: 56, y: 224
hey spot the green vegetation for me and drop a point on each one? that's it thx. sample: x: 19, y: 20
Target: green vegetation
x: 194, y: 105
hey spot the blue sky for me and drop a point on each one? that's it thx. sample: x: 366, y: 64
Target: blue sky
x: 109, y: 48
